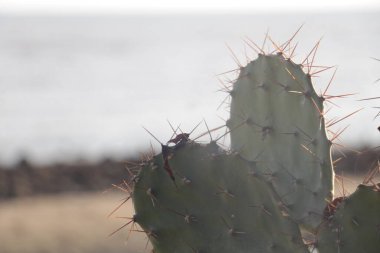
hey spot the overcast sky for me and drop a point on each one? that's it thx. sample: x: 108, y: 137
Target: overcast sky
x: 165, y: 6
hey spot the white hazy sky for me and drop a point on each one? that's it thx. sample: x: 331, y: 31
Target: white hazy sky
x: 156, y: 6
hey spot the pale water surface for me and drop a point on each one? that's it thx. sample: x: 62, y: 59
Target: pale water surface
x: 76, y: 87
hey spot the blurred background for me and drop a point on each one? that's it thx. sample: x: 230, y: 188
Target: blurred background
x: 79, y: 79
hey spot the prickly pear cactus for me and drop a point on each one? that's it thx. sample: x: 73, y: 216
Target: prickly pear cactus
x: 214, y: 205
x: 355, y: 224
x: 277, y: 123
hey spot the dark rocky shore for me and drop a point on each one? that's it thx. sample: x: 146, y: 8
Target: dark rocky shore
x: 26, y: 180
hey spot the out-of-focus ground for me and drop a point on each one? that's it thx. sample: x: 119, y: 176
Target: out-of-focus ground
x: 64, y: 208
x: 67, y: 223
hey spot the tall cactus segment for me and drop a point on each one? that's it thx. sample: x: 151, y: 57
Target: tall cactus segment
x: 355, y: 225
x: 216, y: 205
x: 277, y: 122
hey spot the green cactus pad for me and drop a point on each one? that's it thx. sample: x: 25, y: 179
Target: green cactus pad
x: 215, y: 205
x: 277, y: 123
x: 355, y: 225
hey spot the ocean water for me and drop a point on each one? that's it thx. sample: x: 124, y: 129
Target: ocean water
x: 82, y: 87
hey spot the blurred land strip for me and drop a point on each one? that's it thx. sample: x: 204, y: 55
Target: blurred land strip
x: 27, y: 180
